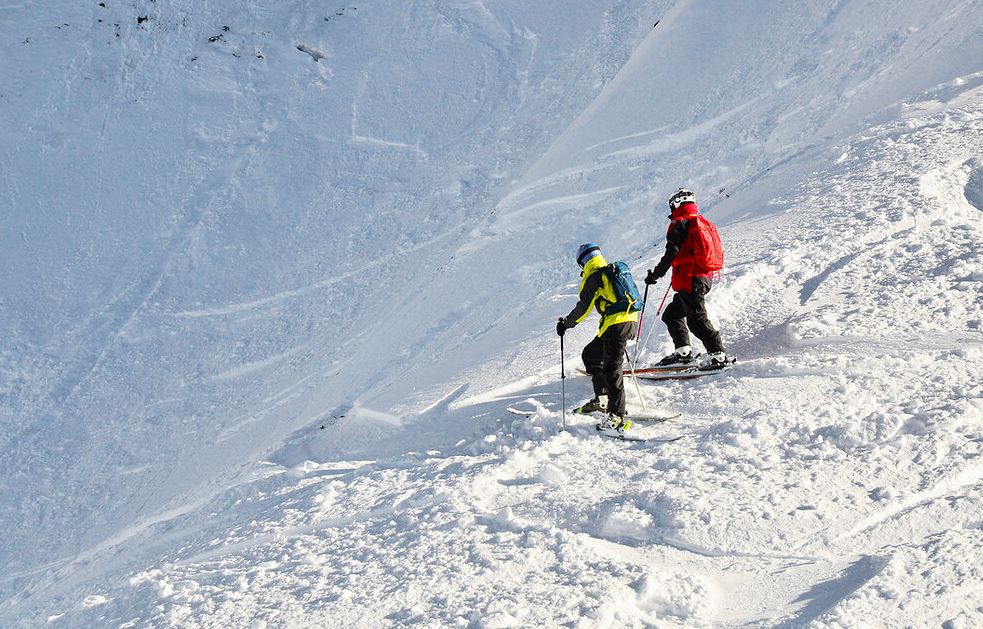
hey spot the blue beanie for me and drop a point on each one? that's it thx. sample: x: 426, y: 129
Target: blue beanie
x: 587, y: 251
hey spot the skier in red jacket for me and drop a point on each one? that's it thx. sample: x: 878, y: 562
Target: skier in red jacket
x: 693, y: 251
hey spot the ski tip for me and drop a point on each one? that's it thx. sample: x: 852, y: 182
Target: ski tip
x: 654, y: 418
x: 519, y: 411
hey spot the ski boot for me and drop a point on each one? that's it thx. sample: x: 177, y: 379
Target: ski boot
x: 594, y: 405
x: 717, y: 360
x: 614, y: 423
x: 682, y: 356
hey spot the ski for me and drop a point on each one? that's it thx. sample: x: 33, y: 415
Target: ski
x: 638, y: 371
x: 613, y: 434
x: 641, y: 372
x: 654, y: 418
x: 641, y: 417
x: 621, y: 437
x: 686, y: 374
x: 520, y: 411
x: 635, y: 418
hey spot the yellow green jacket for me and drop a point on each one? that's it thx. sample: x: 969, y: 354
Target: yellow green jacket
x: 596, y: 291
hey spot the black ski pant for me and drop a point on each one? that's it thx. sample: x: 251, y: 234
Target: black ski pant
x: 689, y: 310
x: 604, y: 358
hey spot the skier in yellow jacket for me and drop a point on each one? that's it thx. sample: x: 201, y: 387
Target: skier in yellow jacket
x: 604, y: 355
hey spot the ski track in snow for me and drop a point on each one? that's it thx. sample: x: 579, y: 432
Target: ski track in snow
x: 970, y: 476
x: 291, y: 410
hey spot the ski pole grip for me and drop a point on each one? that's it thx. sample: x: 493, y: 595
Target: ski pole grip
x: 563, y: 372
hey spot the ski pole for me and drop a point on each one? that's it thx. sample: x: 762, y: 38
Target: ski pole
x: 563, y: 385
x: 664, y: 297
x: 657, y: 313
x: 633, y: 364
x: 634, y: 379
x: 641, y: 319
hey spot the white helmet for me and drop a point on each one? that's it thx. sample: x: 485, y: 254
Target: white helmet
x: 680, y: 197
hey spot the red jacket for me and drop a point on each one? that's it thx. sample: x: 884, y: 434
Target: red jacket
x: 682, y: 264
x: 680, y: 249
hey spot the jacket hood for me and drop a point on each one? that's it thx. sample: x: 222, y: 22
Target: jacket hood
x: 594, y: 264
x: 684, y: 210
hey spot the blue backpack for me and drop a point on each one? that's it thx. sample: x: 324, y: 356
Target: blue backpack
x: 629, y: 299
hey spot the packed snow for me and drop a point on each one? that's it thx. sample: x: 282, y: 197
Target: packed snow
x: 273, y: 274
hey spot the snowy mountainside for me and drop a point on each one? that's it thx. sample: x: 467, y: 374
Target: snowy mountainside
x: 211, y: 235
x: 832, y: 478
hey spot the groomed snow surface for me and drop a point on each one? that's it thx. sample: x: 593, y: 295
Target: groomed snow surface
x: 273, y: 272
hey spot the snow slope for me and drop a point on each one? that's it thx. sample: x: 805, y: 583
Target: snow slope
x: 210, y: 234
x: 362, y: 219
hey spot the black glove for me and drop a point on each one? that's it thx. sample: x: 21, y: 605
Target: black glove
x: 652, y: 277
x: 561, y: 327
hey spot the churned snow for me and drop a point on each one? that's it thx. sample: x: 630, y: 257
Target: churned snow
x: 272, y: 273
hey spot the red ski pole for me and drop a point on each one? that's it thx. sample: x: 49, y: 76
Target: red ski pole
x: 664, y: 297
